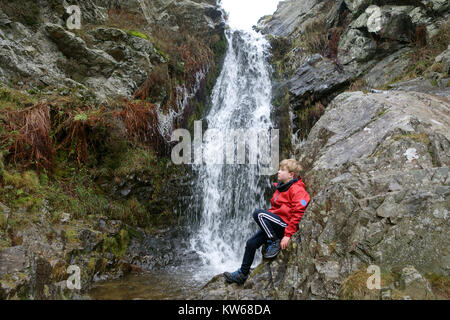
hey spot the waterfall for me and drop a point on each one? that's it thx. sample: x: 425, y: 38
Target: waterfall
x: 225, y: 195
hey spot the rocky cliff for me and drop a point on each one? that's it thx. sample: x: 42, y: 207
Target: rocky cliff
x: 85, y: 118
x: 363, y: 87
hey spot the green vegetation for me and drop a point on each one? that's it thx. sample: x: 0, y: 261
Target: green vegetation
x: 424, y: 53
x: 118, y: 244
x: 11, y: 99
x: 440, y: 285
x: 138, y: 34
x: 68, y: 149
x: 27, y: 12
x: 308, y: 116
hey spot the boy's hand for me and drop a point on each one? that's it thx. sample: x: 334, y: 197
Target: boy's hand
x: 284, y: 242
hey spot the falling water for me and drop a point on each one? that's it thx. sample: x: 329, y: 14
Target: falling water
x: 225, y: 195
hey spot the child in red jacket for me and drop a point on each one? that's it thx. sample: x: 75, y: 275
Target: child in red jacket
x: 280, y: 222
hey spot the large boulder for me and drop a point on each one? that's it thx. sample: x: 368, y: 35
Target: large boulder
x: 354, y: 45
x: 444, y: 60
x: 317, y: 79
x: 390, y: 22
x: 290, y: 16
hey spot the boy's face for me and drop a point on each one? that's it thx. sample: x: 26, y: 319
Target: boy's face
x: 284, y: 175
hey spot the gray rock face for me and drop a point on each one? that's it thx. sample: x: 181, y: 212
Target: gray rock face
x: 202, y: 16
x: 356, y: 46
x: 390, y: 22
x: 96, y: 61
x: 416, y: 286
x: 289, y: 16
x: 12, y: 259
x: 316, y: 78
x: 106, y: 61
x: 388, y: 69
x: 444, y: 60
x: 377, y: 169
x: 357, y: 5
x: 423, y: 85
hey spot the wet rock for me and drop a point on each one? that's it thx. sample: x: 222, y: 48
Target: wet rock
x: 41, y: 278
x: 168, y: 248
x: 4, y: 19
x: 90, y: 239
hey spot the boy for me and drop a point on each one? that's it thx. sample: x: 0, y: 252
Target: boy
x: 279, y: 223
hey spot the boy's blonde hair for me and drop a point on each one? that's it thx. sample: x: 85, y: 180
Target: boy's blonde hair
x: 292, y: 165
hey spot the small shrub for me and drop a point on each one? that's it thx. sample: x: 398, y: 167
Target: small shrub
x: 79, y: 129
x: 141, y: 122
x: 123, y: 19
x: 314, y: 38
x: 27, y: 136
x: 358, y: 85
x: 26, y: 12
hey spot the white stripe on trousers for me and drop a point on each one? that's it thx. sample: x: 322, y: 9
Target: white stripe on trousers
x: 269, y: 217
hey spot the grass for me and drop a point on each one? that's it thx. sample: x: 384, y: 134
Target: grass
x: 354, y: 287
x: 11, y: 99
x: 308, y: 116
x: 419, y: 137
x: 26, y: 136
x: 440, y: 285
x: 424, y: 53
x: 27, y: 12
x: 117, y: 244
x: 126, y: 20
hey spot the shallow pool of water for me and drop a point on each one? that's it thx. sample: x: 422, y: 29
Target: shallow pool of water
x: 160, y: 285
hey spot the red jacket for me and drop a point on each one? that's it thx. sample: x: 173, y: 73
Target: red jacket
x: 290, y: 205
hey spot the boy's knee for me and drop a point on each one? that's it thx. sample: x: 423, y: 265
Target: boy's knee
x: 256, y: 212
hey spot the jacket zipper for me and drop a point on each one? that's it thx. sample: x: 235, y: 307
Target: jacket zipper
x: 275, y: 201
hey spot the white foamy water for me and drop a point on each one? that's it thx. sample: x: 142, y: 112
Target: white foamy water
x: 225, y: 195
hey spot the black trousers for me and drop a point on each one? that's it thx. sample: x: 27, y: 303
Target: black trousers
x: 271, y: 227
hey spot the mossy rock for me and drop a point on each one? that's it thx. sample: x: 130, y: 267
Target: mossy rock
x: 117, y: 245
